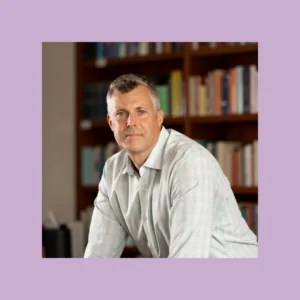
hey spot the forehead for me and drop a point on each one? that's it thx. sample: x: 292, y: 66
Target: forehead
x: 138, y: 96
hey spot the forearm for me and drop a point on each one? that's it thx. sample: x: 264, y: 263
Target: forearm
x: 106, y: 237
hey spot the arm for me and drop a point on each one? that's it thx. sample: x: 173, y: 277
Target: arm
x: 106, y: 235
x: 192, y: 197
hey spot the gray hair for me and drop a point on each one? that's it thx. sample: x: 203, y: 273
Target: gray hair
x: 128, y: 82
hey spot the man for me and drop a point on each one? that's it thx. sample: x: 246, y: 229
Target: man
x: 163, y: 189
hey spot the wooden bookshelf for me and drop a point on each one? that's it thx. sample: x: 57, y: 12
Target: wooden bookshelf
x: 229, y: 127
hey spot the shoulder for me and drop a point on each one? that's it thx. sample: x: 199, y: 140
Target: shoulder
x: 190, y: 165
x: 116, y: 163
x: 181, y: 150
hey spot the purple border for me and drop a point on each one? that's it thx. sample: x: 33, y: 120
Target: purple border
x: 24, y: 26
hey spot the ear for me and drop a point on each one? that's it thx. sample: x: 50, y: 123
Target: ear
x: 160, y: 117
x: 110, y: 123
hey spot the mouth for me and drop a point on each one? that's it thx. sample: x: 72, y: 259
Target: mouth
x: 132, y: 135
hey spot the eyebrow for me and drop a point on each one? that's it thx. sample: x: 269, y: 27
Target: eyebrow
x: 123, y: 109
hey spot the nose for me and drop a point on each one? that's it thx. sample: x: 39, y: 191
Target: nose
x: 131, y: 121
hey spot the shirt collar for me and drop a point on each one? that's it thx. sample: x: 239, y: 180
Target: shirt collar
x: 155, y: 159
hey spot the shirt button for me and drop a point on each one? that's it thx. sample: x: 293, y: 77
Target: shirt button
x: 145, y: 219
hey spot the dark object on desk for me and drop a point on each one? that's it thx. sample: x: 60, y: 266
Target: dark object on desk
x: 57, y: 242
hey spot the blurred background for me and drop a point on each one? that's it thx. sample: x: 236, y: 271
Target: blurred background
x: 208, y: 91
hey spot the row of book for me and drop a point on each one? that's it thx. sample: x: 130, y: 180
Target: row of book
x: 94, y: 100
x: 222, y: 92
x: 93, y: 159
x: 219, y: 92
x: 172, y: 95
x: 249, y: 212
x: 239, y: 162
x: 102, y: 50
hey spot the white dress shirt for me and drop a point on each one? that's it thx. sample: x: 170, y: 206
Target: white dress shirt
x: 182, y: 205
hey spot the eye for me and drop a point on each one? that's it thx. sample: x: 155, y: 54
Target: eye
x: 120, y: 113
x: 141, y: 111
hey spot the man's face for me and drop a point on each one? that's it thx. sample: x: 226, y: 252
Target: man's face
x: 134, y: 120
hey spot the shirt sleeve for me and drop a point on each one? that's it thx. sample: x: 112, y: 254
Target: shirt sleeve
x: 192, y: 201
x: 106, y: 235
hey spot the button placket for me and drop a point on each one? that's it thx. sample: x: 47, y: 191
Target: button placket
x: 146, y: 182
x: 143, y: 193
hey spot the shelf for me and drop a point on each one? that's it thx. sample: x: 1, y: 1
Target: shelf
x: 244, y: 118
x: 174, y: 121
x: 245, y: 190
x: 106, y: 62
x: 229, y: 50
x: 93, y: 124
x: 93, y: 189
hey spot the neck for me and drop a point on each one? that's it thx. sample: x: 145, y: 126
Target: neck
x: 138, y: 159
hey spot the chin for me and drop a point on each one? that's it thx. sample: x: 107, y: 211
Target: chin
x: 133, y: 148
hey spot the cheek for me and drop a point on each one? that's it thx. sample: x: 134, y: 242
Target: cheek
x: 120, y: 127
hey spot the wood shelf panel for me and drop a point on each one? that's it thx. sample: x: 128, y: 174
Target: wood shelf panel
x: 240, y: 190
x: 225, y: 50
x: 244, y: 118
x: 174, y: 121
x: 87, y: 125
